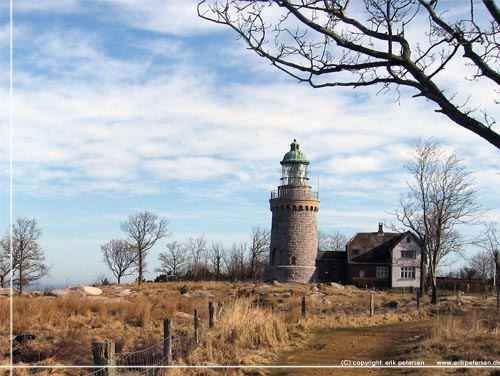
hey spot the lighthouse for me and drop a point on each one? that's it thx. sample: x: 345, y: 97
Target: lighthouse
x: 294, y: 232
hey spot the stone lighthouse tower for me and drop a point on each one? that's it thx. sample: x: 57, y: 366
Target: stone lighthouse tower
x: 294, y: 233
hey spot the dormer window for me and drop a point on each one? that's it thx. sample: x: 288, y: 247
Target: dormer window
x: 408, y: 254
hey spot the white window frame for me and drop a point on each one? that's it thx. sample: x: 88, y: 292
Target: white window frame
x: 413, y: 254
x: 408, y: 272
x: 382, y: 272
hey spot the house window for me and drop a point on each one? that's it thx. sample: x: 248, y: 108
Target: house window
x: 408, y: 254
x: 408, y: 239
x: 382, y: 272
x: 408, y: 272
x: 361, y: 274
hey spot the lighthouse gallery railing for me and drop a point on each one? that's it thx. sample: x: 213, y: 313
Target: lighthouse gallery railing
x: 295, y: 193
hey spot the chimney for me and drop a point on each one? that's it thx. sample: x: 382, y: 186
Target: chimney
x: 380, y: 229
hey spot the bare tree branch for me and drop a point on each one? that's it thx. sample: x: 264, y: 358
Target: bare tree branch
x: 143, y: 231
x: 330, y: 43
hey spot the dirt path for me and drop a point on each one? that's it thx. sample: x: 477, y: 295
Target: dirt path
x: 331, y: 347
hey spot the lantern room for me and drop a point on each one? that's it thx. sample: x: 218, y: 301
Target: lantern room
x: 294, y: 166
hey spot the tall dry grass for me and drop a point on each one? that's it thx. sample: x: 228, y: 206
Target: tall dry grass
x: 473, y: 334
x: 247, y: 332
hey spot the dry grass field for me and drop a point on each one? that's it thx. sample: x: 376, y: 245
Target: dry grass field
x: 257, y: 324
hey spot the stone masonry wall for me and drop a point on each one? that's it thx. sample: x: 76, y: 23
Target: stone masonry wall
x: 294, y: 240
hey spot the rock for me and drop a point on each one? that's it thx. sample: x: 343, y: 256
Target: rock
x: 327, y: 302
x: 58, y: 293
x: 316, y: 295
x: 87, y: 290
x: 5, y: 291
x: 96, y: 298
x: 202, y: 294
x: 122, y: 292
x: 336, y: 285
x: 392, y: 304
x: 183, y: 315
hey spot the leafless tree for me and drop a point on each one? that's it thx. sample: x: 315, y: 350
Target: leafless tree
x: 235, y: 261
x: 334, y: 242
x: 143, y: 230
x: 388, y: 43
x: 259, y: 249
x: 490, y: 241
x: 196, y: 248
x: 441, y: 196
x: 28, y: 260
x: 5, y: 262
x: 120, y: 257
x: 483, y: 266
x: 174, y: 260
x: 217, y: 254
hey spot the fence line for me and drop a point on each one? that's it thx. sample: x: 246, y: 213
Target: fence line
x: 149, y: 361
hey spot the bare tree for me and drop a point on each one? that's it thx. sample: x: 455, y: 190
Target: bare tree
x: 329, y: 43
x: 5, y: 262
x: 490, y: 241
x: 235, y: 262
x: 259, y: 249
x: 120, y: 257
x: 482, y: 264
x: 441, y: 196
x: 216, y: 256
x: 197, y: 249
x: 28, y: 260
x: 335, y: 242
x: 143, y: 231
x: 174, y: 260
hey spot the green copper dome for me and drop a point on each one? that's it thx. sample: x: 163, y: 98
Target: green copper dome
x: 295, y: 155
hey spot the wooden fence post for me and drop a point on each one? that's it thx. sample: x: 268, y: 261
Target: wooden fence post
x: 167, y: 342
x: 211, y: 313
x: 196, y: 337
x: 303, y: 306
x: 104, y: 355
x: 372, y: 305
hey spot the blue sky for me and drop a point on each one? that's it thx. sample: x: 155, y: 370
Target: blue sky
x: 122, y: 106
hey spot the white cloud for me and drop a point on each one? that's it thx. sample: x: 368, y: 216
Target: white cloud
x: 171, y: 17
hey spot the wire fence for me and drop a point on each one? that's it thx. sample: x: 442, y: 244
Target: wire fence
x: 143, y: 362
x: 156, y: 359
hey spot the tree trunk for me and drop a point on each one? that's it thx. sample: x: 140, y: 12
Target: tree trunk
x: 433, y: 280
x: 20, y: 279
x: 434, y: 293
x: 423, y: 275
x: 140, y: 268
x: 497, y: 282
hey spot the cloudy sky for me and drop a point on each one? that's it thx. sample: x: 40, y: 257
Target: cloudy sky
x: 121, y: 106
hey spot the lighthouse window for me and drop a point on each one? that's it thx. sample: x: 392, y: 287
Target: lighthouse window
x: 293, y: 261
